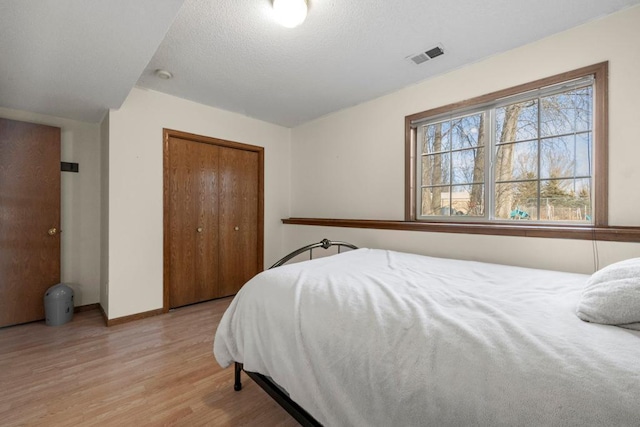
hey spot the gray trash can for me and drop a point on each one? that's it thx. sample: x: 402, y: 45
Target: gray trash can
x: 58, y: 305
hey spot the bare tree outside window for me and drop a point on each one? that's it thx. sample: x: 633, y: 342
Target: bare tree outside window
x: 543, y: 165
x: 452, y: 161
x: 541, y: 150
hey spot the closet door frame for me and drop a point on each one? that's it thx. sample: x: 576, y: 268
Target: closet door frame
x: 167, y: 135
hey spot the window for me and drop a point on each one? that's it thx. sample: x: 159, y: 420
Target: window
x: 531, y: 154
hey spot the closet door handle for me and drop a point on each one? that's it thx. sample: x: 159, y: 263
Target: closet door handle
x: 199, y: 229
x: 236, y: 228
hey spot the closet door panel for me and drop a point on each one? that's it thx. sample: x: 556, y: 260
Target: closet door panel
x: 183, y: 214
x: 193, y: 188
x: 206, y: 232
x: 239, y: 194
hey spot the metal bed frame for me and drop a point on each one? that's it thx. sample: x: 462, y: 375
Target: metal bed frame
x: 277, y: 393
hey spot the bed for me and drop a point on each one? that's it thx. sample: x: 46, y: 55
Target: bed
x: 374, y: 337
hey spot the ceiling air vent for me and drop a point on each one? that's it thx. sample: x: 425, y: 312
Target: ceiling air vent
x: 421, y: 57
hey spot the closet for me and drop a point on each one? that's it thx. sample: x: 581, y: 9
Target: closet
x: 213, y: 217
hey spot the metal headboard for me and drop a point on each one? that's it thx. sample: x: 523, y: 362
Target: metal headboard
x: 324, y: 243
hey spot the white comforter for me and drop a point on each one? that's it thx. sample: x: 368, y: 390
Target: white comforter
x: 381, y: 338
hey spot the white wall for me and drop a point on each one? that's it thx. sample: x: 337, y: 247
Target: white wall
x: 80, y: 203
x: 136, y: 182
x: 350, y: 164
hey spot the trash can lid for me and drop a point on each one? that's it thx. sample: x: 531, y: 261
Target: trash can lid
x: 59, y: 291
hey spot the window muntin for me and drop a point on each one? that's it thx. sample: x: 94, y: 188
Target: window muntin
x: 540, y: 151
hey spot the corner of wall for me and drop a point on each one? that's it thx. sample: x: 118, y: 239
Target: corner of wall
x: 104, y: 214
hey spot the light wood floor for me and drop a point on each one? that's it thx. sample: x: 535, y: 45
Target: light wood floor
x: 155, y: 371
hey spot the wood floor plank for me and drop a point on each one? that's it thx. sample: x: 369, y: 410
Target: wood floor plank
x: 155, y: 371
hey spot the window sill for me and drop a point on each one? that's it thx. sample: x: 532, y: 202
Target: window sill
x: 612, y: 234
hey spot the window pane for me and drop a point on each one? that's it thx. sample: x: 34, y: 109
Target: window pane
x: 517, y: 161
x: 567, y: 156
x: 466, y: 131
x: 435, y: 201
x: 584, y: 152
x: 437, y: 137
x: 468, y: 166
x: 517, y: 200
x: 517, y: 122
x: 467, y: 200
x: 566, y: 112
x: 565, y: 200
x: 435, y: 169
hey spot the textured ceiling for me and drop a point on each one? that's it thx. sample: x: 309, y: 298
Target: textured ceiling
x: 234, y: 55
x: 76, y: 58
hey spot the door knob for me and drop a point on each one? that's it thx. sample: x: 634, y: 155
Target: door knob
x: 199, y: 229
x: 52, y: 231
x: 236, y: 228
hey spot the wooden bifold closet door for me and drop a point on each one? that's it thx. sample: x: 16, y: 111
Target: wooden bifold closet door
x: 213, y: 217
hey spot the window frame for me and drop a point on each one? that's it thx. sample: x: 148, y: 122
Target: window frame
x: 599, y: 72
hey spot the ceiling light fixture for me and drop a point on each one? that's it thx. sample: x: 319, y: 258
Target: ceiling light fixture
x: 163, y: 74
x: 290, y: 13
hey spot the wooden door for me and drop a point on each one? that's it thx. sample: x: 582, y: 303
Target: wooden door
x: 217, y: 187
x: 239, y: 191
x: 29, y: 218
x: 193, y: 189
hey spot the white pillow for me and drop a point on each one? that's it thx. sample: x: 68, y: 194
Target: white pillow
x: 612, y: 295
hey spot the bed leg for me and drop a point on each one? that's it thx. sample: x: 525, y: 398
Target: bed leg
x: 237, y: 386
